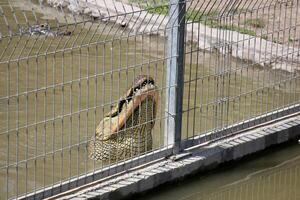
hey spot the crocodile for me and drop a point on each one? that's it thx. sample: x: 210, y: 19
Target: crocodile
x: 126, y: 130
x: 42, y: 29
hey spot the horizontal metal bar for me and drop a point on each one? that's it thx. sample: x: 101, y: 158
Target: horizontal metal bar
x: 99, y: 174
x: 158, y: 154
x: 233, y: 98
x: 241, y: 126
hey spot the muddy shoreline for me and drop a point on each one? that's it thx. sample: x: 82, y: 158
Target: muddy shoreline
x: 241, y: 46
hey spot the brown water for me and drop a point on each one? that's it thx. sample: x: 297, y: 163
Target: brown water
x: 55, y: 90
x: 271, y: 175
x: 56, y: 100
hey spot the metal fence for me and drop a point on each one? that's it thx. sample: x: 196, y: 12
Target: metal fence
x: 69, y: 92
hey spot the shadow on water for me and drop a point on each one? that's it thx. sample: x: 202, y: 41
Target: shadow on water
x: 271, y: 174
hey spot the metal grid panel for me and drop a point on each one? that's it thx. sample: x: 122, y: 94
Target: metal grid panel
x: 243, y: 64
x: 57, y: 86
x: 65, y: 64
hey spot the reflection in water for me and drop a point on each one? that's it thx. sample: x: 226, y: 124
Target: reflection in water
x: 271, y: 175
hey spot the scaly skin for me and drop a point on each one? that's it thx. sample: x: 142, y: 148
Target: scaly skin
x: 126, y: 130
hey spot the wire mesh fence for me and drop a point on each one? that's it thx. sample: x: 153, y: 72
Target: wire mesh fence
x: 74, y: 106
x: 254, y: 70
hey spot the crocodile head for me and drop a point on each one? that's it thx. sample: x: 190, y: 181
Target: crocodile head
x: 116, y: 133
x: 39, y: 29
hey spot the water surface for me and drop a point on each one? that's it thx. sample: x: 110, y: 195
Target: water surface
x: 273, y: 174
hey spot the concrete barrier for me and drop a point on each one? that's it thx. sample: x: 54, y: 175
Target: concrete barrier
x: 192, y: 160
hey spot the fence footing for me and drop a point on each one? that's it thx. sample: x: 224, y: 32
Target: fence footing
x: 187, y: 163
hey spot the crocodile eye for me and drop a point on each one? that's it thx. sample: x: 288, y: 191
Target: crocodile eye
x: 150, y: 82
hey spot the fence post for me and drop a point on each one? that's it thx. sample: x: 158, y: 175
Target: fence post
x: 174, y: 74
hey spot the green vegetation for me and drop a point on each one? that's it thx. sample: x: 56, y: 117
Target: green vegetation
x: 276, y: 40
x: 292, y: 39
x: 237, y: 29
x: 264, y: 36
x: 161, y: 10
x: 211, y: 19
x: 208, y: 18
x: 255, y: 23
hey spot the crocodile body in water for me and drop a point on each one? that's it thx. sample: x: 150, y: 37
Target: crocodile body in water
x: 42, y: 29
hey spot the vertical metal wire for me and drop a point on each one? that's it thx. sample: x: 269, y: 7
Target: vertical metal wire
x: 44, y: 125
x: 295, y: 27
x: 35, y: 127
x: 71, y: 118
x: 8, y: 125
x: 27, y: 131
x: 104, y: 85
x: 97, y: 55
x: 118, y: 84
x: 196, y: 81
x: 79, y: 106
x: 189, y: 78
x: 53, y: 122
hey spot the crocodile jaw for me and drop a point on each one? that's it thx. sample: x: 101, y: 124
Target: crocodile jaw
x: 148, y: 91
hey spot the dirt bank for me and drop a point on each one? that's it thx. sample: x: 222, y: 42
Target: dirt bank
x: 260, y: 50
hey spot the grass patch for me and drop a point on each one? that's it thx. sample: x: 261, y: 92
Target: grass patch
x: 264, y: 37
x: 237, y: 29
x: 202, y: 16
x: 292, y: 39
x: 255, y: 23
x: 210, y: 19
x: 161, y: 10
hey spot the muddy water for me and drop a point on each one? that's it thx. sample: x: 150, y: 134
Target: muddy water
x: 54, y: 91
x: 57, y: 98
x: 271, y: 175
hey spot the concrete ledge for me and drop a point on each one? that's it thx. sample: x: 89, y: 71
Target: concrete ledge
x: 191, y: 161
